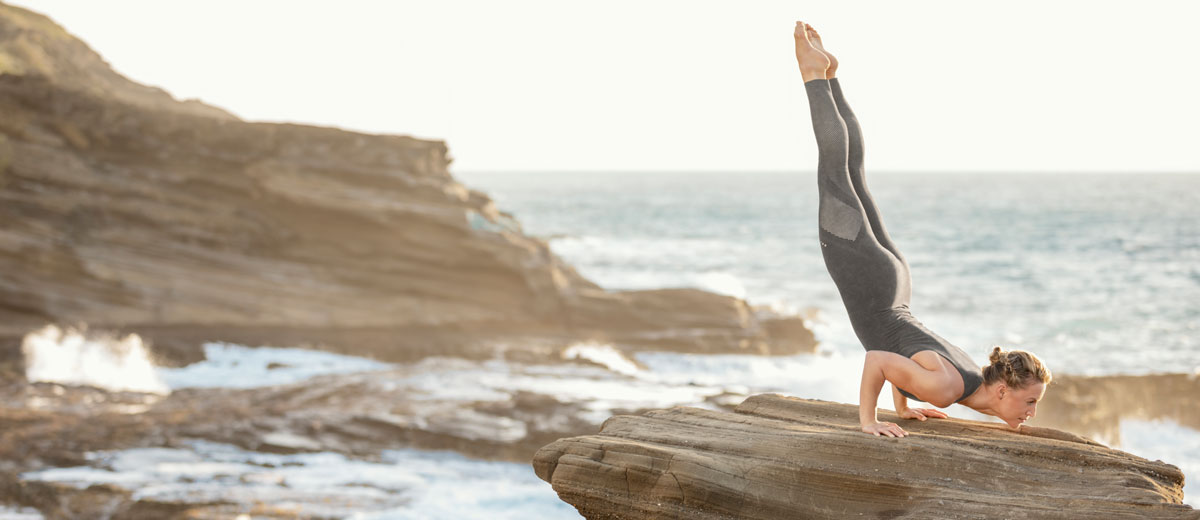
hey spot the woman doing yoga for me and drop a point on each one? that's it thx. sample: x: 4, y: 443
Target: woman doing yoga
x: 873, y: 279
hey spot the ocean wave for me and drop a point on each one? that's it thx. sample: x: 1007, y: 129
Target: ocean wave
x: 1168, y: 441
x: 604, y: 355
x: 73, y: 357
x: 230, y: 365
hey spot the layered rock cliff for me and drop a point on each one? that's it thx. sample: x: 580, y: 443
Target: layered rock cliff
x: 778, y: 457
x: 125, y: 209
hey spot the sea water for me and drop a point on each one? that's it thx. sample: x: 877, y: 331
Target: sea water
x: 1096, y: 273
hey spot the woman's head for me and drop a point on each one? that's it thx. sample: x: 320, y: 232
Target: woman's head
x: 1019, y: 381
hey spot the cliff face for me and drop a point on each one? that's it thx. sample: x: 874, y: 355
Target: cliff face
x: 779, y: 457
x: 120, y: 215
x: 125, y: 209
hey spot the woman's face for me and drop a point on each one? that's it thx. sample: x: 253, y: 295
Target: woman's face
x: 1019, y: 405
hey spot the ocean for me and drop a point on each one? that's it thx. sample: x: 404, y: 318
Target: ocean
x: 1095, y: 273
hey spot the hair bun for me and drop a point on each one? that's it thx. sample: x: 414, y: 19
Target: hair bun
x: 997, y: 356
x: 1003, y: 362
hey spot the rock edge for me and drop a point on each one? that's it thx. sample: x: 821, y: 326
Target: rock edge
x: 782, y: 457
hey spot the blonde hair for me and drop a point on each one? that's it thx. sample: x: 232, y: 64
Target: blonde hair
x: 1016, y: 368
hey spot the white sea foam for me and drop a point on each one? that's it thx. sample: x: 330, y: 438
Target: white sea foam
x: 618, y: 384
x: 600, y: 391
x: 230, y: 365
x: 404, y: 484
x: 602, y: 396
x: 721, y: 283
x: 123, y: 364
x: 602, y: 354
x: 72, y: 357
x: 19, y: 513
x: 832, y: 376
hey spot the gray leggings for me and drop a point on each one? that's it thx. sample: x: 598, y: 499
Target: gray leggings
x: 871, y: 274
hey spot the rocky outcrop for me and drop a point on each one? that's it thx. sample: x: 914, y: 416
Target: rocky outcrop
x: 46, y: 424
x: 778, y: 457
x: 129, y: 211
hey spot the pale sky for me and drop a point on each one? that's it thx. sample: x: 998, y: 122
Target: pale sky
x: 685, y: 84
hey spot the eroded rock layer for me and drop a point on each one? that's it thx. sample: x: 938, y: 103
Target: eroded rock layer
x: 779, y: 457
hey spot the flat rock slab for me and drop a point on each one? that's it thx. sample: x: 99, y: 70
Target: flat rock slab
x: 781, y: 457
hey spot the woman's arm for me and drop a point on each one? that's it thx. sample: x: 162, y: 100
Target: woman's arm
x: 920, y: 414
x: 899, y: 401
x: 926, y: 382
x: 868, y: 396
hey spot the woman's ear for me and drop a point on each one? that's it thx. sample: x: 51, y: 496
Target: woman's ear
x: 1001, y: 390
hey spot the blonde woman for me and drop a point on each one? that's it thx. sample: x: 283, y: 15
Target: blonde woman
x: 873, y: 279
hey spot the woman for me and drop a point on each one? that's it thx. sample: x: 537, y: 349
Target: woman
x: 873, y: 279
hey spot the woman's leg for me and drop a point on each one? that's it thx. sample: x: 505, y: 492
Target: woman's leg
x: 871, y: 279
x: 855, y: 166
x: 855, y: 153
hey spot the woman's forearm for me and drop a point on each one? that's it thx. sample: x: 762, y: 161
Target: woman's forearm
x: 868, y: 396
x: 898, y: 400
x: 868, y: 393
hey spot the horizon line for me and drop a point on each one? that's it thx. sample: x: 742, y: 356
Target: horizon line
x: 897, y: 171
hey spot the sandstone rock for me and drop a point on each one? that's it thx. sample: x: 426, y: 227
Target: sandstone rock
x: 779, y: 457
x: 686, y: 320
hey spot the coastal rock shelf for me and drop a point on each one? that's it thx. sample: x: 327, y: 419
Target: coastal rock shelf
x: 780, y: 457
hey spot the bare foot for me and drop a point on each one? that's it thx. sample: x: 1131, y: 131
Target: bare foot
x: 812, y: 61
x: 815, y: 38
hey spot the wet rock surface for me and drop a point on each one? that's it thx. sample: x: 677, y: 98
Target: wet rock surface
x: 780, y: 457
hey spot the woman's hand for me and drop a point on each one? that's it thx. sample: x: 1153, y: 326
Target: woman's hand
x: 884, y: 428
x: 921, y: 414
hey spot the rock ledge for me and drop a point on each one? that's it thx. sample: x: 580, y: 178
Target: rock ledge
x: 780, y: 457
